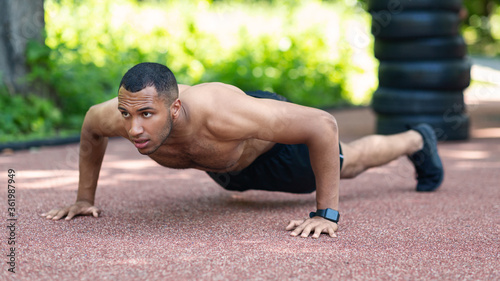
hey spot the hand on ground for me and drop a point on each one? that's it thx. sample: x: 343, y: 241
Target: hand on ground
x: 79, y: 208
x: 315, y: 225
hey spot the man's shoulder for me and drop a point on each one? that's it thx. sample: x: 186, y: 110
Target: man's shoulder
x: 210, y: 98
x: 212, y: 89
x: 107, y: 110
x: 215, y: 106
x: 104, y: 118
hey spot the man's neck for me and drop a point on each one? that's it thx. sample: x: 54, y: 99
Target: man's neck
x: 181, y: 127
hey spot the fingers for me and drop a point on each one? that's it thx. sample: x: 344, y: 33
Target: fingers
x: 305, y: 232
x: 294, y: 223
x: 314, y: 226
x: 72, y: 211
x: 95, y: 212
x: 317, y: 232
x: 331, y: 232
x: 328, y: 230
x: 78, y: 210
x: 50, y: 214
x: 301, y: 229
x: 61, y: 214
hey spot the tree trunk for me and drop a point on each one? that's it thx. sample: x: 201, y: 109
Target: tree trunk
x: 20, y: 22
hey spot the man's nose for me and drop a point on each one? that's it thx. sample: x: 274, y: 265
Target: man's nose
x: 136, y: 129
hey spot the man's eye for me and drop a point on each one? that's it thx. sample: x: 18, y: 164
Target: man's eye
x: 125, y: 114
x: 147, y: 114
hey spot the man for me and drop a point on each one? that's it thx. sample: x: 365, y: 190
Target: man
x: 243, y: 141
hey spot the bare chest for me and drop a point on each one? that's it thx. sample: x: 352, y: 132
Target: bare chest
x: 204, y: 155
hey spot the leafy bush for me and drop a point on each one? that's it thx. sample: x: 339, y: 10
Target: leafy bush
x: 307, y: 51
x: 29, y: 115
x: 481, y: 26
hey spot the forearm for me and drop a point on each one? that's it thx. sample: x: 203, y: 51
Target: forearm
x: 324, y: 152
x: 325, y: 162
x: 327, y: 173
x: 92, y: 149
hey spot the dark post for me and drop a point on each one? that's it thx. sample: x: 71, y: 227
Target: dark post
x: 20, y: 22
x: 424, y: 67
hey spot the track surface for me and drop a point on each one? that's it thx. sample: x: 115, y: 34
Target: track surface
x: 162, y: 224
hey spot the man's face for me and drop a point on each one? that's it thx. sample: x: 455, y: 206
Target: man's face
x: 146, y: 118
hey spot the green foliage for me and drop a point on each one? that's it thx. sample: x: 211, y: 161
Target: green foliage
x: 316, y: 53
x: 302, y: 50
x: 481, y: 26
x: 306, y: 62
x: 27, y: 115
x: 77, y: 86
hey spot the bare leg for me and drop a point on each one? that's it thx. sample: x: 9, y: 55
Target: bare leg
x: 376, y: 150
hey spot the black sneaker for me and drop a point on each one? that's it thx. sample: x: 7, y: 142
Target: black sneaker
x: 427, y: 161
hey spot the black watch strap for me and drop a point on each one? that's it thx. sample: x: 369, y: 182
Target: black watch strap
x: 329, y: 214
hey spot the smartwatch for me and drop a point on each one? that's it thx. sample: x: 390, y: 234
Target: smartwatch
x: 329, y: 214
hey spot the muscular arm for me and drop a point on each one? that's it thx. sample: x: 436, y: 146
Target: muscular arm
x: 101, y: 121
x: 243, y: 117
x: 92, y: 148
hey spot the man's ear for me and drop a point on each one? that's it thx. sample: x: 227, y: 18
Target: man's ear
x: 175, y: 108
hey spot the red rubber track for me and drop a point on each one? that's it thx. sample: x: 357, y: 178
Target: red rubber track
x: 162, y: 224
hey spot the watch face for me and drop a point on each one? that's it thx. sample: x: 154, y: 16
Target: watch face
x: 328, y: 214
x: 332, y: 214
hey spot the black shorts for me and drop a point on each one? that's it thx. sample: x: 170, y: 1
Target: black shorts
x: 285, y: 167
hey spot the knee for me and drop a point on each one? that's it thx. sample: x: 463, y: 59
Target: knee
x: 351, y: 171
x: 353, y: 161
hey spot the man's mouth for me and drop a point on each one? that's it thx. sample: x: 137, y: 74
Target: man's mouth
x: 141, y: 143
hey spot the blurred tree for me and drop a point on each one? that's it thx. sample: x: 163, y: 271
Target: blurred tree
x: 480, y: 7
x: 21, y: 21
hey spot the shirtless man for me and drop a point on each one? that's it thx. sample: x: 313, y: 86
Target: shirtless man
x: 242, y: 140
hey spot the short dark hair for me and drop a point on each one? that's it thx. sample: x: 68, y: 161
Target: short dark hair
x: 153, y: 74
